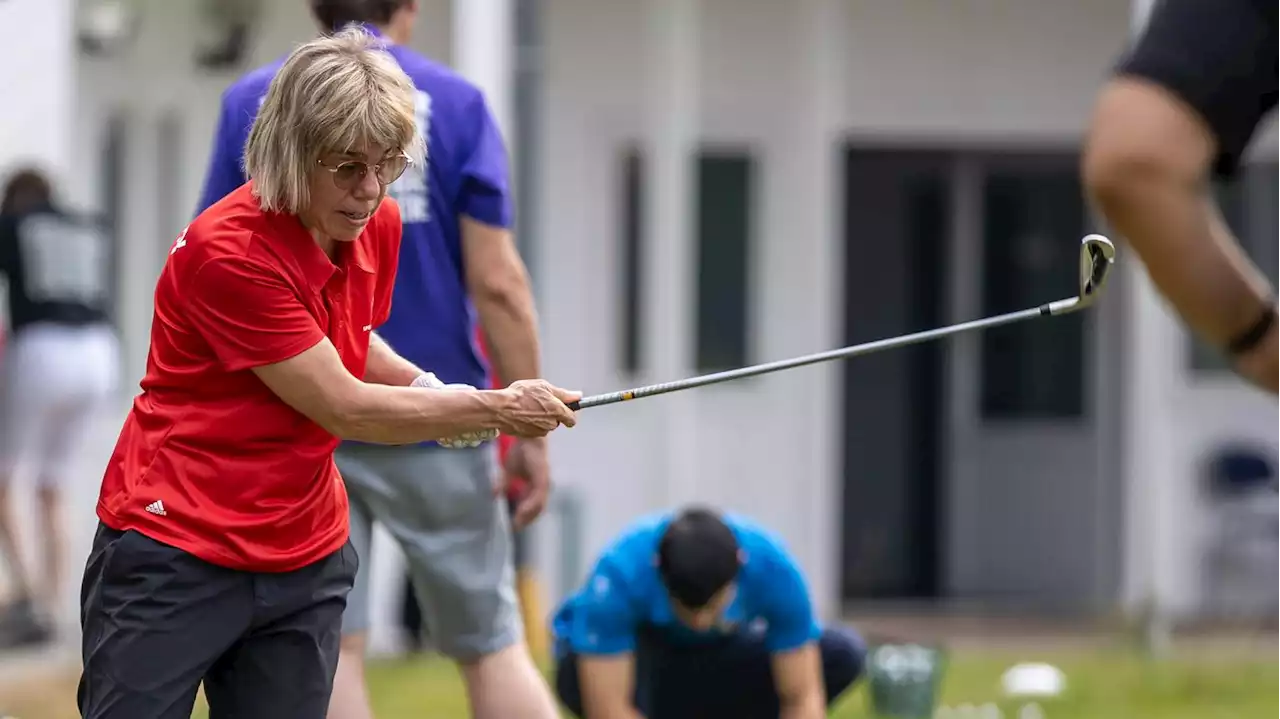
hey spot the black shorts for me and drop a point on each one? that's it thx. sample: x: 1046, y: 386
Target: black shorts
x: 158, y: 621
x: 1219, y: 57
x: 732, y: 677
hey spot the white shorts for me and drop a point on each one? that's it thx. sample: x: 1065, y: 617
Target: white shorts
x: 55, y: 379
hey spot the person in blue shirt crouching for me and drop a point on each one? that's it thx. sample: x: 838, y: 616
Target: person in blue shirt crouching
x: 699, y: 614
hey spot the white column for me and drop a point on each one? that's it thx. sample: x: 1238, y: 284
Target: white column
x: 38, y: 74
x: 815, y: 401
x: 483, y: 51
x: 1154, y: 355
x: 671, y: 133
x: 35, y: 124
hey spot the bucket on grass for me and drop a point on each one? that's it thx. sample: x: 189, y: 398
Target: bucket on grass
x: 904, y: 680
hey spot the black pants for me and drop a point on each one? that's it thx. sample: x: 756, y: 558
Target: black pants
x: 729, y: 678
x: 158, y: 621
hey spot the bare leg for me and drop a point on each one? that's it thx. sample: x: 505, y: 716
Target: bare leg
x: 52, y: 547
x: 10, y: 550
x: 508, y: 685
x: 350, y: 698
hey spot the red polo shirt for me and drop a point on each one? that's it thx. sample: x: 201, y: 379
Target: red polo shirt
x: 210, y: 461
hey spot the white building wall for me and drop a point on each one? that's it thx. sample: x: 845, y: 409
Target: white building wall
x: 159, y: 77
x: 778, y: 466
x: 903, y: 70
x: 39, y: 107
x: 1008, y: 70
x: 59, y: 116
x: 786, y: 78
x: 1193, y: 414
x: 1175, y: 418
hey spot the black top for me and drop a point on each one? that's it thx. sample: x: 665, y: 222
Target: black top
x: 1220, y: 57
x: 57, y: 266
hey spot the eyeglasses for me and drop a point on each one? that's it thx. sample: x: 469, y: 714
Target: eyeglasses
x: 348, y: 174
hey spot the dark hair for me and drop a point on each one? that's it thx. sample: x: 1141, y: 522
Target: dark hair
x: 697, y: 556
x: 26, y: 188
x: 337, y: 14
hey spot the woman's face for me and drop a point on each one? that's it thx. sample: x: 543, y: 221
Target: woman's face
x: 347, y: 187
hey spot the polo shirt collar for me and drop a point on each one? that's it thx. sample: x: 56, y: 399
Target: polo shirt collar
x: 356, y: 253
x: 316, y: 267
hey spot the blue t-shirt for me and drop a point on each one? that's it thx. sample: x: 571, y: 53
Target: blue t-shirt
x: 432, y: 323
x: 624, y: 593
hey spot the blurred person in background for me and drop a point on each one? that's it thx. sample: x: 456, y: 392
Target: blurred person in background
x: 695, y: 614
x: 458, y: 265
x: 60, y: 367
x: 1185, y: 102
x: 516, y: 486
x: 223, y: 556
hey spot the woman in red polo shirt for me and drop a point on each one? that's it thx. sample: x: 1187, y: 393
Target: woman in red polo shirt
x: 222, y: 554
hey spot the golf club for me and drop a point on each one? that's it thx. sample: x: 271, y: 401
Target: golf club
x: 1097, y: 254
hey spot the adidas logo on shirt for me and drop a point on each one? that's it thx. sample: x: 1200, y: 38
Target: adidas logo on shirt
x: 157, y: 508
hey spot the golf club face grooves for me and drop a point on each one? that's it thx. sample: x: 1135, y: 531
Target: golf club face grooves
x: 1097, y: 255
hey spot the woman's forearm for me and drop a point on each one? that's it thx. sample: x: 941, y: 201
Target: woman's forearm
x: 385, y: 366
x: 382, y: 414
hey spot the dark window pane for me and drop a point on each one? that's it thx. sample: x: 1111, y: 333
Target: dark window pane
x: 1033, y: 222
x: 171, y: 216
x: 630, y: 263
x: 725, y: 183
x: 113, y: 179
x: 527, y: 93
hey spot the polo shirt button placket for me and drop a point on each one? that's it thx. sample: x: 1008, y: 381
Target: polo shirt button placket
x: 341, y: 324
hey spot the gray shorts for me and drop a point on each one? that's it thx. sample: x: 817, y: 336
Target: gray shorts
x: 439, y: 506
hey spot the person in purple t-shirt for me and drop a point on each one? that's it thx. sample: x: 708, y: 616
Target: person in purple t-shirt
x: 458, y: 265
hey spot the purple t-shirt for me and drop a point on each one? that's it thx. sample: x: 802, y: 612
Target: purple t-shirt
x: 432, y: 323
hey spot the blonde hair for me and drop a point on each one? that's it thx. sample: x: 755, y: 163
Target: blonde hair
x: 333, y: 94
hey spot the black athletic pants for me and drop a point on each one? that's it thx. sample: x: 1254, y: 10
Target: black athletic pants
x: 731, y: 678
x: 158, y: 621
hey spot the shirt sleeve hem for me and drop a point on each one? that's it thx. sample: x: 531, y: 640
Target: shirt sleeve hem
x: 286, y: 351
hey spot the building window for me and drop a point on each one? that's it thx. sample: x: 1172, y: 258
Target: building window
x: 1032, y: 224
x: 526, y: 96
x: 631, y: 260
x: 171, y: 213
x: 725, y: 184
x: 112, y: 181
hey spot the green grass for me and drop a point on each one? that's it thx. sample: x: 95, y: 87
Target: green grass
x: 1101, y: 685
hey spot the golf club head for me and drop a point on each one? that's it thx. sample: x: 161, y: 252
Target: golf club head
x: 1097, y: 255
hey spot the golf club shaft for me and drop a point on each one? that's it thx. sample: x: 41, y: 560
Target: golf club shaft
x: 1050, y: 309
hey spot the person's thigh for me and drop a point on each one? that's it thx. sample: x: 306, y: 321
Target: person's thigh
x: 568, y: 684
x: 61, y: 377
x: 735, y: 677
x: 283, y: 667
x: 154, y: 619
x: 28, y: 397
x: 89, y: 376
x: 732, y: 677
x: 440, y: 507
x: 58, y: 452
x: 844, y: 658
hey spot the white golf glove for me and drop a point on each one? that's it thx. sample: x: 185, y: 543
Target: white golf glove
x: 428, y: 380
x: 467, y: 439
